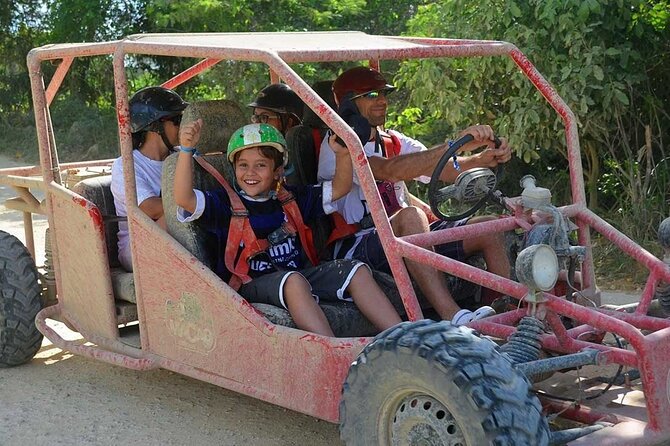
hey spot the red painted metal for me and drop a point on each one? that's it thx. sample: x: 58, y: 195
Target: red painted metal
x: 579, y: 412
x: 190, y: 72
x: 231, y: 344
x: 57, y: 78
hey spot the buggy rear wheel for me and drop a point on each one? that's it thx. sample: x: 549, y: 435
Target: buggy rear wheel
x: 20, y: 301
x: 430, y: 383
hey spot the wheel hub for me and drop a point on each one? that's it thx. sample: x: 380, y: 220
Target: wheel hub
x: 421, y: 420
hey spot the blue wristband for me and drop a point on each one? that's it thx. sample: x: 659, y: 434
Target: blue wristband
x: 191, y: 150
x: 457, y: 166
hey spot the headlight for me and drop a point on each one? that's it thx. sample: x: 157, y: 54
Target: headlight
x: 537, y: 267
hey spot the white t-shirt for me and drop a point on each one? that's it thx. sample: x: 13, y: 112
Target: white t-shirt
x: 148, y: 174
x: 353, y: 206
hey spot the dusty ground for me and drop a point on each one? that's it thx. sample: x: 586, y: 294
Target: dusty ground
x: 61, y: 399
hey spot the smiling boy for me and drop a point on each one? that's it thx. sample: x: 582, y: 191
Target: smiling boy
x: 270, y: 216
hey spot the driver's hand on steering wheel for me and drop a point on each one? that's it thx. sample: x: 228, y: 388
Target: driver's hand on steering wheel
x: 491, y: 157
x: 482, y: 134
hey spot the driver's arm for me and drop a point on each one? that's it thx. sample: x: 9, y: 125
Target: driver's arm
x: 406, y: 167
x: 412, y: 165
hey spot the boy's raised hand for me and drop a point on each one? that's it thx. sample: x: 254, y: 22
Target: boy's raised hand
x: 189, y: 134
x: 338, y: 148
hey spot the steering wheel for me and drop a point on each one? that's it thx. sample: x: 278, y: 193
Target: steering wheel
x: 472, y: 186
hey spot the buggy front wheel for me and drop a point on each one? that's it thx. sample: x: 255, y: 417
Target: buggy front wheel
x: 430, y: 383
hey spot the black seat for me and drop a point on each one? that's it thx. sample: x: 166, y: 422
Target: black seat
x: 97, y: 190
x: 221, y: 118
x: 303, y: 142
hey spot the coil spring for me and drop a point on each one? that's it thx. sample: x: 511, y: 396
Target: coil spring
x: 524, y: 345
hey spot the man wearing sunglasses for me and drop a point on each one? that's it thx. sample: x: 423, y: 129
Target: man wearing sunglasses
x: 278, y: 106
x: 394, y: 158
x: 155, y: 115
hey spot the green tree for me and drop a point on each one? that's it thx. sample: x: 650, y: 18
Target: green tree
x: 90, y: 79
x: 21, y: 28
x: 597, y: 53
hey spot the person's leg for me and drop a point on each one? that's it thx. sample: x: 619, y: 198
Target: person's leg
x: 289, y: 290
x: 412, y: 220
x: 351, y: 280
x: 162, y: 223
x: 304, y: 310
x: 491, y: 246
x: 371, y: 300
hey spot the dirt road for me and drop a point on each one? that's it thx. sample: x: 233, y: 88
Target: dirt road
x: 61, y: 399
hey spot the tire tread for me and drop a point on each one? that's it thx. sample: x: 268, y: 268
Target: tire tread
x: 20, y: 301
x: 512, y: 414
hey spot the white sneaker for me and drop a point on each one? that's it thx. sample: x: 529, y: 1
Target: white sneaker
x: 466, y: 316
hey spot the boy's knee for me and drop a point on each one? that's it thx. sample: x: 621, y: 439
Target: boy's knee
x: 296, y: 282
x: 362, y: 272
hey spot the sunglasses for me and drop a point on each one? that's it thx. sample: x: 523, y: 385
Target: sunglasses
x: 373, y: 94
x: 262, y: 119
x: 176, y: 120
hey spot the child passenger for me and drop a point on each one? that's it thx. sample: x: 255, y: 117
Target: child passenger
x: 279, y: 275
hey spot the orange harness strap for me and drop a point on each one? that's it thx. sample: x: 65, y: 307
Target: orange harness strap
x: 391, y: 144
x: 240, y: 231
x: 297, y: 225
x: 341, y: 228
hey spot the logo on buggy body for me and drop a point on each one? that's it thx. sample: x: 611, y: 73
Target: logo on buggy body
x: 189, y: 324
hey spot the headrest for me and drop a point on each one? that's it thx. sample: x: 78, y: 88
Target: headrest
x: 98, y: 191
x: 220, y: 118
x: 323, y: 89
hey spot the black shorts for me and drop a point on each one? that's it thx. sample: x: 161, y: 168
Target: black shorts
x: 370, y: 249
x: 329, y: 281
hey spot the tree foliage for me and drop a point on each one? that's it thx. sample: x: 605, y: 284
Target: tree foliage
x: 21, y: 26
x: 601, y: 56
x: 609, y: 59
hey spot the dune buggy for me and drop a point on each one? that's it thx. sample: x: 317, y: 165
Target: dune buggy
x: 422, y: 382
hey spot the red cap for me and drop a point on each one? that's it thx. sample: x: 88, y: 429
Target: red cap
x: 360, y: 80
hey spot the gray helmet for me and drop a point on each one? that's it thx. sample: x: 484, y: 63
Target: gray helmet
x: 152, y: 104
x: 281, y: 99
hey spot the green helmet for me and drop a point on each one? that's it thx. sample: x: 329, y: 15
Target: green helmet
x: 256, y: 135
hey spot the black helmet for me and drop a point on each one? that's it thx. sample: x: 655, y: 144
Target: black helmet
x: 279, y: 98
x: 151, y: 104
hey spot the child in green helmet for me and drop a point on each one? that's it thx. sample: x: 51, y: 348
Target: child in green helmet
x: 264, y: 222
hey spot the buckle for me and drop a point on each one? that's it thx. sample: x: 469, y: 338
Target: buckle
x: 279, y: 235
